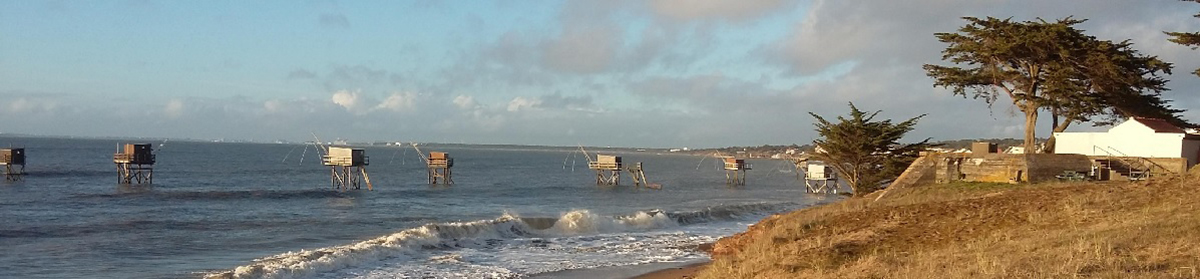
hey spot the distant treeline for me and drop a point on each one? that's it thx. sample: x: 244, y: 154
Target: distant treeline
x: 768, y: 150
x: 966, y: 143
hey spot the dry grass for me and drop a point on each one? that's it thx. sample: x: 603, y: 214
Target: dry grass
x: 1060, y: 230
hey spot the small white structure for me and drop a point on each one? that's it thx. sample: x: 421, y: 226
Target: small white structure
x: 1136, y: 137
x: 1018, y: 149
x: 819, y: 178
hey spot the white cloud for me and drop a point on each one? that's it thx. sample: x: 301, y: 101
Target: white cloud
x: 272, y: 106
x: 521, y: 103
x: 347, y: 99
x: 465, y: 102
x: 174, y: 108
x: 399, y: 101
x: 24, y: 105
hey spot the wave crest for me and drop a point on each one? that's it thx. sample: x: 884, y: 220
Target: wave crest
x: 410, y: 242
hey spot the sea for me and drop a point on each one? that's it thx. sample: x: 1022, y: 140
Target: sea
x: 256, y: 210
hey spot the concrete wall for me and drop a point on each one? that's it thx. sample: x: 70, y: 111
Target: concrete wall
x: 1045, y: 167
x: 920, y: 172
x: 1000, y: 168
x: 1157, y: 165
x: 1172, y: 165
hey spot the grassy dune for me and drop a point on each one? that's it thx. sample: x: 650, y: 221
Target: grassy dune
x: 971, y: 230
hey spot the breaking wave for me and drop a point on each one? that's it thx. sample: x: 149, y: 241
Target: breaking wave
x: 483, y: 234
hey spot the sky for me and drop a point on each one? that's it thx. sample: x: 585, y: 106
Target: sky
x: 656, y: 73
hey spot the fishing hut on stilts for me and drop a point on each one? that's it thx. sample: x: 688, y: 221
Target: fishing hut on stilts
x: 135, y: 163
x: 13, y: 161
x: 438, y: 166
x: 735, y: 171
x: 608, y: 169
x: 347, y: 167
x: 819, y: 178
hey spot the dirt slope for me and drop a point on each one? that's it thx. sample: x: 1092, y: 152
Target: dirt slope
x: 1090, y: 229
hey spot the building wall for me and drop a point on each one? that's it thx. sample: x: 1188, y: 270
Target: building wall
x: 1128, y: 142
x: 1079, y: 143
x: 1130, y: 127
x: 1191, y: 152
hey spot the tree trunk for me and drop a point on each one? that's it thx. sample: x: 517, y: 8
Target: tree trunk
x: 853, y: 182
x: 1031, y: 115
x: 1050, y: 142
x: 1053, y: 119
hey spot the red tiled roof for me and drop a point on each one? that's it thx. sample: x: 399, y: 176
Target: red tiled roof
x: 1159, y: 125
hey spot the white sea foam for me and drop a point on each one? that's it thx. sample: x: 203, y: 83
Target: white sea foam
x: 509, y: 246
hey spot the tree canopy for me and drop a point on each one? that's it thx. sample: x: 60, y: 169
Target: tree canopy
x: 864, y: 152
x: 1191, y: 39
x: 1055, y: 67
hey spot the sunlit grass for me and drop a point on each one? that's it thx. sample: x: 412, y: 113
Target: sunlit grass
x: 981, y: 230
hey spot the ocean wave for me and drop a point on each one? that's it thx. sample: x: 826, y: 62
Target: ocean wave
x: 478, y: 234
x: 727, y: 212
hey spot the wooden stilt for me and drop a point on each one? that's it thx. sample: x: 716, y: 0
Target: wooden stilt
x: 12, y: 173
x: 366, y: 178
x: 639, y: 177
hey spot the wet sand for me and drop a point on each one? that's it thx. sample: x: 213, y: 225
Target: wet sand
x: 686, y: 271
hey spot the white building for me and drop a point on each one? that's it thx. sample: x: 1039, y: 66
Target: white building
x: 1015, y: 150
x: 1136, y: 137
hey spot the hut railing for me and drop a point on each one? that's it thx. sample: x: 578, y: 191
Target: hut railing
x: 440, y: 163
x: 345, y: 161
x: 134, y: 158
x: 597, y: 165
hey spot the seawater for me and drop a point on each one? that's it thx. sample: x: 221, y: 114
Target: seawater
x: 238, y: 210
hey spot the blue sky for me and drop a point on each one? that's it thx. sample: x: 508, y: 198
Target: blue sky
x: 622, y: 73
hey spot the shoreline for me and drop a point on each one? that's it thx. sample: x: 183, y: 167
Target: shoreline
x: 658, y: 270
x: 684, y: 271
x: 655, y: 270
